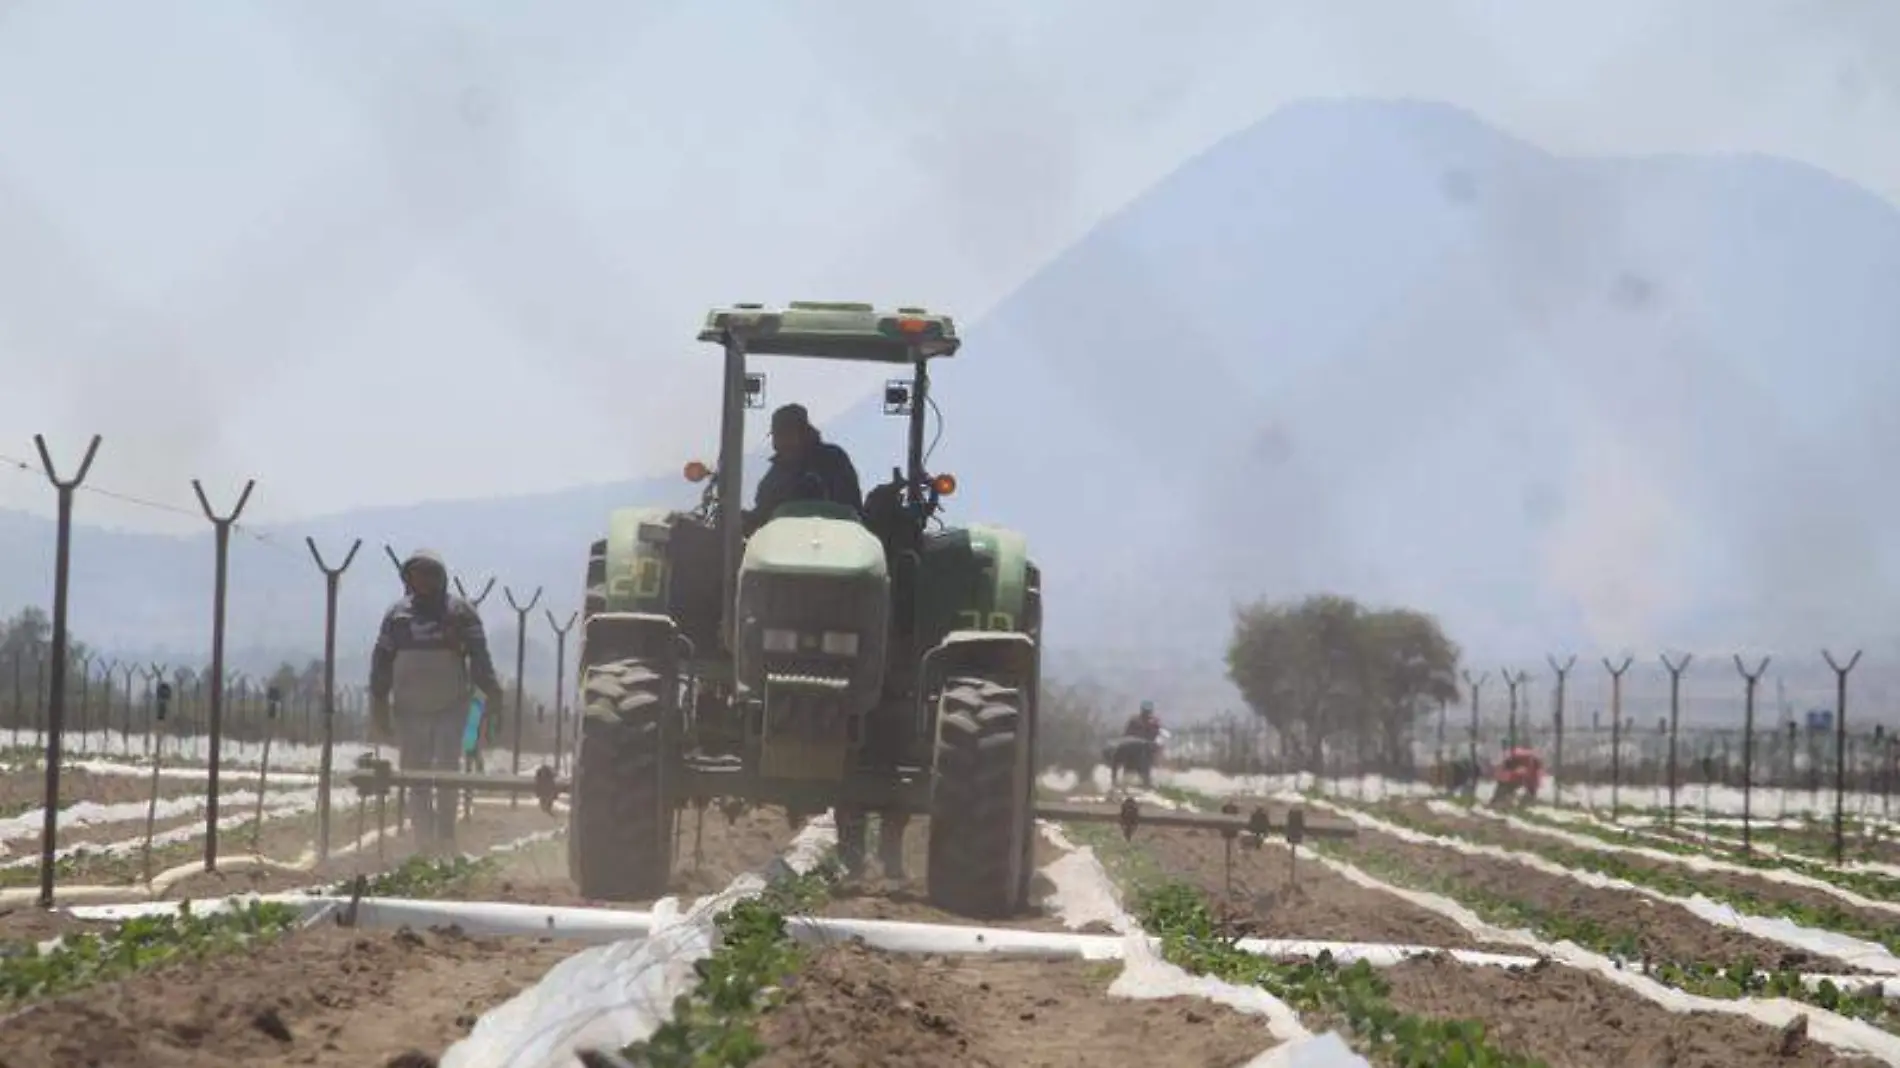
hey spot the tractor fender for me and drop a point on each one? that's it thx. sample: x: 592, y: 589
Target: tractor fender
x: 610, y: 636
x: 1005, y: 652
x: 994, y: 654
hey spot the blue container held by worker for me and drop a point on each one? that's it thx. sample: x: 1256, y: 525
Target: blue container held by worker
x: 472, y: 730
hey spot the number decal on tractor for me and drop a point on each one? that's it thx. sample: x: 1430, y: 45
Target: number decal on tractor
x: 973, y: 619
x: 648, y: 574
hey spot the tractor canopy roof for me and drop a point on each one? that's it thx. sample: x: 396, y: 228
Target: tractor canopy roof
x: 834, y: 330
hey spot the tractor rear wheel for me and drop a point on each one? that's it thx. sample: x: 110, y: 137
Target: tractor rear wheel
x: 980, y: 820
x: 620, y: 824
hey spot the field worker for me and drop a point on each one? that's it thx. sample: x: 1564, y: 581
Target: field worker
x: 805, y: 467
x: 1144, y: 724
x: 1135, y: 749
x: 431, y: 648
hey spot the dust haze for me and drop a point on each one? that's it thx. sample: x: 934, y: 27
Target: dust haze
x: 372, y: 258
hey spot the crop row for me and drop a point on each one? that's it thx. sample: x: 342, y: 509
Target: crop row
x: 1726, y: 980
x: 80, y: 959
x: 1674, y: 883
x: 741, y: 979
x: 1867, y: 883
x: 1354, y: 997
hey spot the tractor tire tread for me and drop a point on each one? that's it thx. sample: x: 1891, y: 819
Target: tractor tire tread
x: 620, y: 825
x: 979, y: 801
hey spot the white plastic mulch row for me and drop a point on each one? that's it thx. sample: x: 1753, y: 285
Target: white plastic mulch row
x: 1855, y: 951
x: 1685, y: 835
x: 1728, y: 839
x: 116, y: 750
x: 1830, y: 1028
x: 31, y: 824
x: 279, y: 806
x: 1722, y: 801
x: 1693, y: 863
x: 1084, y: 894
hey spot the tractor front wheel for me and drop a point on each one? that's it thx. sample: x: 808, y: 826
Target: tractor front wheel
x: 980, y: 817
x: 620, y: 824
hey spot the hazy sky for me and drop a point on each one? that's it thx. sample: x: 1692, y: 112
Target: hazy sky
x: 370, y: 254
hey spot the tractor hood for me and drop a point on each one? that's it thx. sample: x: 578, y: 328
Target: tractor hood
x: 809, y: 545
x: 814, y: 605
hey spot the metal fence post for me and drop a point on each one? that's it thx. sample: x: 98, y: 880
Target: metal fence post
x: 1840, y: 749
x: 56, y: 689
x: 332, y: 580
x: 221, y: 528
x: 521, y: 669
x: 1616, y: 731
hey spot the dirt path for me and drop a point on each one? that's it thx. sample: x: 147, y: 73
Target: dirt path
x: 872, y: 897
x: 1572, y: 1019
x: 1271, y: 897
x: 291, y: 839
x: 850, y: 1006
x: 539, y: 874
x: 326, y: 997
x: 1764, y: 891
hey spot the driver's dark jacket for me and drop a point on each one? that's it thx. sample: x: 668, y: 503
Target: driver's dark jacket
x: 824, y: 473
x: 1148, y: 730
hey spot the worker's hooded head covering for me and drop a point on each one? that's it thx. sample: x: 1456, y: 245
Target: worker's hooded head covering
x: 425, y: 576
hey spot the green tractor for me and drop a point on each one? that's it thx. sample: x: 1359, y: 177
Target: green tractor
x: 869, y: 660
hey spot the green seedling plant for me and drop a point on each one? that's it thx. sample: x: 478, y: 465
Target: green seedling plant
x: 423, y: 877
x: 1192, y: 938
x: 716, y: 1025
x: 1355, y: 994
x: 79, y: 960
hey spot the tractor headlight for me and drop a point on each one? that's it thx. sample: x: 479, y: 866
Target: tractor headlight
x: 780, y: 640
x: 840, y: 643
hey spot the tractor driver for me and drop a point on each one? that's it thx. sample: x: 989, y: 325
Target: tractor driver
x: 805, y: 467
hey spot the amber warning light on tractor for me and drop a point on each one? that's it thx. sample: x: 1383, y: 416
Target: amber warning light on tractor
x: 945, y: 485
x: 697, y: 471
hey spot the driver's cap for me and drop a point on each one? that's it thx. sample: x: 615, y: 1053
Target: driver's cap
x: 1147, y: 706
x: 790, y: 417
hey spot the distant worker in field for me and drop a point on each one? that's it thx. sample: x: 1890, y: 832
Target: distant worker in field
x: 1144, y: 724
x: 430, y: 654
x: 805, y: 467
x: 1135, y: 749
x: 1520, y: 773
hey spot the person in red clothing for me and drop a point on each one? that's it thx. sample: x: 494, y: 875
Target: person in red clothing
x: 1520, y: 773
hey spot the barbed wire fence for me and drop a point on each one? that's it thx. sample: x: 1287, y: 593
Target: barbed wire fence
x: 59, y: 700
x: 1824, y: 760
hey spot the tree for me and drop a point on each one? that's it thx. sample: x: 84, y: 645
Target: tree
x: 1070, y: 726
x: 1325, y: 670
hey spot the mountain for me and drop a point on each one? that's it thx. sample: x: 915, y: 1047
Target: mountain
x: 1369, y: 346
